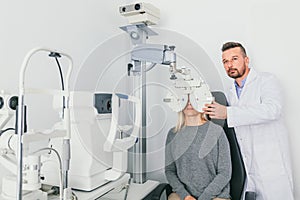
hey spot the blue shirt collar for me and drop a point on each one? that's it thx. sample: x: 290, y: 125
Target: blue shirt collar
x: 242, y: 83
x: 238, y: 88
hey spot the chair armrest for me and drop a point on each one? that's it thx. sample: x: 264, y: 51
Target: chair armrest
x: 157, y: 192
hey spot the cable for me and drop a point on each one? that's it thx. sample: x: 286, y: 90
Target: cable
x: 127, y: 188
x: 8, y: 129
x: 60, y: 166
x: 61, y: 75
x: 57, y: 55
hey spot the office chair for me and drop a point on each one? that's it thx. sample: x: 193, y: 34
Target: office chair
x: 238, y: 170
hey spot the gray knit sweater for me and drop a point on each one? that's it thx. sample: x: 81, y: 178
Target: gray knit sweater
x: 198, y: 162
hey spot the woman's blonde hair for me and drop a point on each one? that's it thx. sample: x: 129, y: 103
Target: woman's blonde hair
x: 181, y: 120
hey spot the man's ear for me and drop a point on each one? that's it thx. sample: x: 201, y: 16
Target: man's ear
x: 247, y: 61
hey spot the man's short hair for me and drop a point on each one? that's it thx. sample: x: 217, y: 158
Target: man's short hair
x: 230, y: 45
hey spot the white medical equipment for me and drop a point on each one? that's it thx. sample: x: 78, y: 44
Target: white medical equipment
x: 140, y: 13
x: 99, y: 143
x: 184, y: 85
x: 89, y: 141
x: 144, y: 57
x: 8, y: 105
x: 21, y: 153
x: 92, y: 163
x: 154, y: 54
x: 195, y: 89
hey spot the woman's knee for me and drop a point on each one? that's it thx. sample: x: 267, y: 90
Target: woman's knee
x: 173, y: 196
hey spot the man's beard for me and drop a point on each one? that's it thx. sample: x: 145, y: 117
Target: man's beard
x: 235, y: 73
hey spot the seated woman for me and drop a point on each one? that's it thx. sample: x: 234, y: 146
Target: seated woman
x: 197, y: 154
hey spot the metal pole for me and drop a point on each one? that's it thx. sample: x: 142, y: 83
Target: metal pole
x: 20, y: 131
x: 139, y: 159
x: 139, y: 149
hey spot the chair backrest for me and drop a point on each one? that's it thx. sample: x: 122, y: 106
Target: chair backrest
x: 238, y: 170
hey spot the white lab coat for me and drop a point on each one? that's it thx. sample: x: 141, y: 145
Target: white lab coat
x: 257, y: 119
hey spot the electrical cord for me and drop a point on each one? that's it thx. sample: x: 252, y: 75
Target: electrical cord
x: 8, y: 129
x: 61, y: 75
x: 60, y: 167
x: 56, y: 56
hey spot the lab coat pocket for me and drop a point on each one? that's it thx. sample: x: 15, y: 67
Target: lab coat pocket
x: 269, y: 160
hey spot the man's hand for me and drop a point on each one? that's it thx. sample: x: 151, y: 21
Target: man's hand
x: 215, y: 110
x: 189, y: 198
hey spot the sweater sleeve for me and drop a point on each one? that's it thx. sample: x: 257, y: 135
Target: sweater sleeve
x: 170, y: 169
x: 214, y: 189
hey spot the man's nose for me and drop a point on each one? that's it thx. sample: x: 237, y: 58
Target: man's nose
x: 229, y: 64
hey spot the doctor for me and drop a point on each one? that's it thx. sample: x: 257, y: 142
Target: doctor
x: 255, y: 112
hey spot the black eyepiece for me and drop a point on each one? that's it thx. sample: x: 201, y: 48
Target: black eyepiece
x: 108, y: 105
x: 1, y: 102
x: 13, y: 102
x: 137, y: 6
x: 124, y: 9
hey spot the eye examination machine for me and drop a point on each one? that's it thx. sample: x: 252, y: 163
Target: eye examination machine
x: 85, y: 154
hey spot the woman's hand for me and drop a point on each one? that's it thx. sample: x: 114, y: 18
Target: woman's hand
x: 189, y: 198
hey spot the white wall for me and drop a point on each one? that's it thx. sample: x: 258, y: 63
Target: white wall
x: 268, y: 28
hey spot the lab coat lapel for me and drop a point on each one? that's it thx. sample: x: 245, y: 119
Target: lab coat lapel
x: 251, y: 77
x: 235, y: 100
